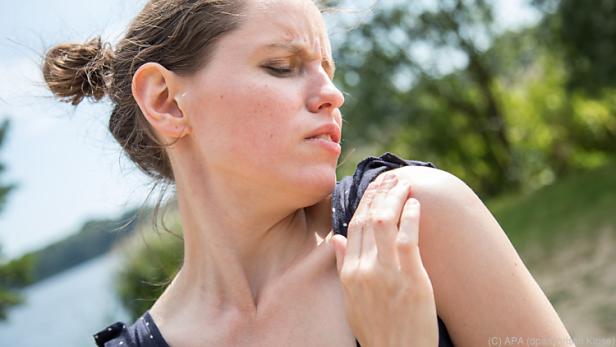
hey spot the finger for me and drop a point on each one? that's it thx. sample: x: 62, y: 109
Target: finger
x: 379, y: 217
x: 385, y: 215
x: 355, y: 229
x: 407, y: 240
x: 365, y: 203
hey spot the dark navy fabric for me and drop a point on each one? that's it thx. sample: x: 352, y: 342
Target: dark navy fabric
x: 345, y: 199
x: 348, y: 193
x: 142, y: 333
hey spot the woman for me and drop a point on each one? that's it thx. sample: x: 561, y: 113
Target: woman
x: 233, y: 103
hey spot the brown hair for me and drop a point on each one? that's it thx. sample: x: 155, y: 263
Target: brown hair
x: 178, y: 34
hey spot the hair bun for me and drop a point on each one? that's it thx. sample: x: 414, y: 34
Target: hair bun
x: 75, y: 71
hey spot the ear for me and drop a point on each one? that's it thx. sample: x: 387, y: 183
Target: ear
x: 156, y: 91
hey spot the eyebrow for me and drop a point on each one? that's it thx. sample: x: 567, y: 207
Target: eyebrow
x: 299, y: 49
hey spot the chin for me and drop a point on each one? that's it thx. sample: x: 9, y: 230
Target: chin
x: 318, y: 185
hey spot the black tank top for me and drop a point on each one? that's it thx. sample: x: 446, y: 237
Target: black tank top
x: 345, y: 199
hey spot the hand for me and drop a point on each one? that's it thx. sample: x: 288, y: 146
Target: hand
x: 388, y: 295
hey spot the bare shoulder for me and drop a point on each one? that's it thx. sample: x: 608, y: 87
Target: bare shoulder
x: 481, y: 286
x: 435, y: 186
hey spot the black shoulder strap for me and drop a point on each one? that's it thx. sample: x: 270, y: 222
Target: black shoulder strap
x: 109, y: 333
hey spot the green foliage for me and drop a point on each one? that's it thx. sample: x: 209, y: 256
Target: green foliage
x: 16, y: 273
x: 579, y: 205
x: 151, y: 260
x: 585, y: 33
x: 5, y: 189
x: 554, y: 130
x: 408, y: 104
x: 503, y: 120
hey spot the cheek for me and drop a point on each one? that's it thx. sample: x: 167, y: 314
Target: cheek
x: 259, y: 115
x: 251, y: 115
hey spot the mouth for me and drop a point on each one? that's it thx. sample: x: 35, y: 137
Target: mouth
x: 328, y: 132
x: 324, y: 141
x: 325, y: 137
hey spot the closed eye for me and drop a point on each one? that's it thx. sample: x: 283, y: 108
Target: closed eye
x: 279, y: 70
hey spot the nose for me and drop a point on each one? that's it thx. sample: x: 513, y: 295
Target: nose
x: 326, y: 96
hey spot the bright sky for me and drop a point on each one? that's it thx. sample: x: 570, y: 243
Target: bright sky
x: 64, y: 159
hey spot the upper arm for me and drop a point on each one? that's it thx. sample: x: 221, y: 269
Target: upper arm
x: 481, y: 286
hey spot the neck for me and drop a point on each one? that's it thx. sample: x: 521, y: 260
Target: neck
x: 238, y: 244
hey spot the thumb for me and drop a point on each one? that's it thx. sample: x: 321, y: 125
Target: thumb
x: 340, y: 243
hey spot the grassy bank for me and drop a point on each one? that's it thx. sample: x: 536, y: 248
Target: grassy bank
x: 566, y: 233
x: 575, y: 207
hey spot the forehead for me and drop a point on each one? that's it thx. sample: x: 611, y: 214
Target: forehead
x: 268, y: 23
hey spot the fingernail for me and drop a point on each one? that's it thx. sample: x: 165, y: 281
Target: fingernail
x: 390, y: 180
x: 389, y: 176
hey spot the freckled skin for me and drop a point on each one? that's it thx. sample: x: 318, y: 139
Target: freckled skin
x: 256, y: 126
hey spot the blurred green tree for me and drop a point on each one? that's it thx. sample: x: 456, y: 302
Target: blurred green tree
x: 586, y: 34
x: 15, y: 273
x: 441, y: 83
x: 398, y: 71
x: 151, y: 260
x: 581, y: 38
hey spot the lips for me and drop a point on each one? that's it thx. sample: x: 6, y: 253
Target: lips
x: 329, y: 132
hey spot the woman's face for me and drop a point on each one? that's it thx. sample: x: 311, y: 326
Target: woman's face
x: 258, y: 99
